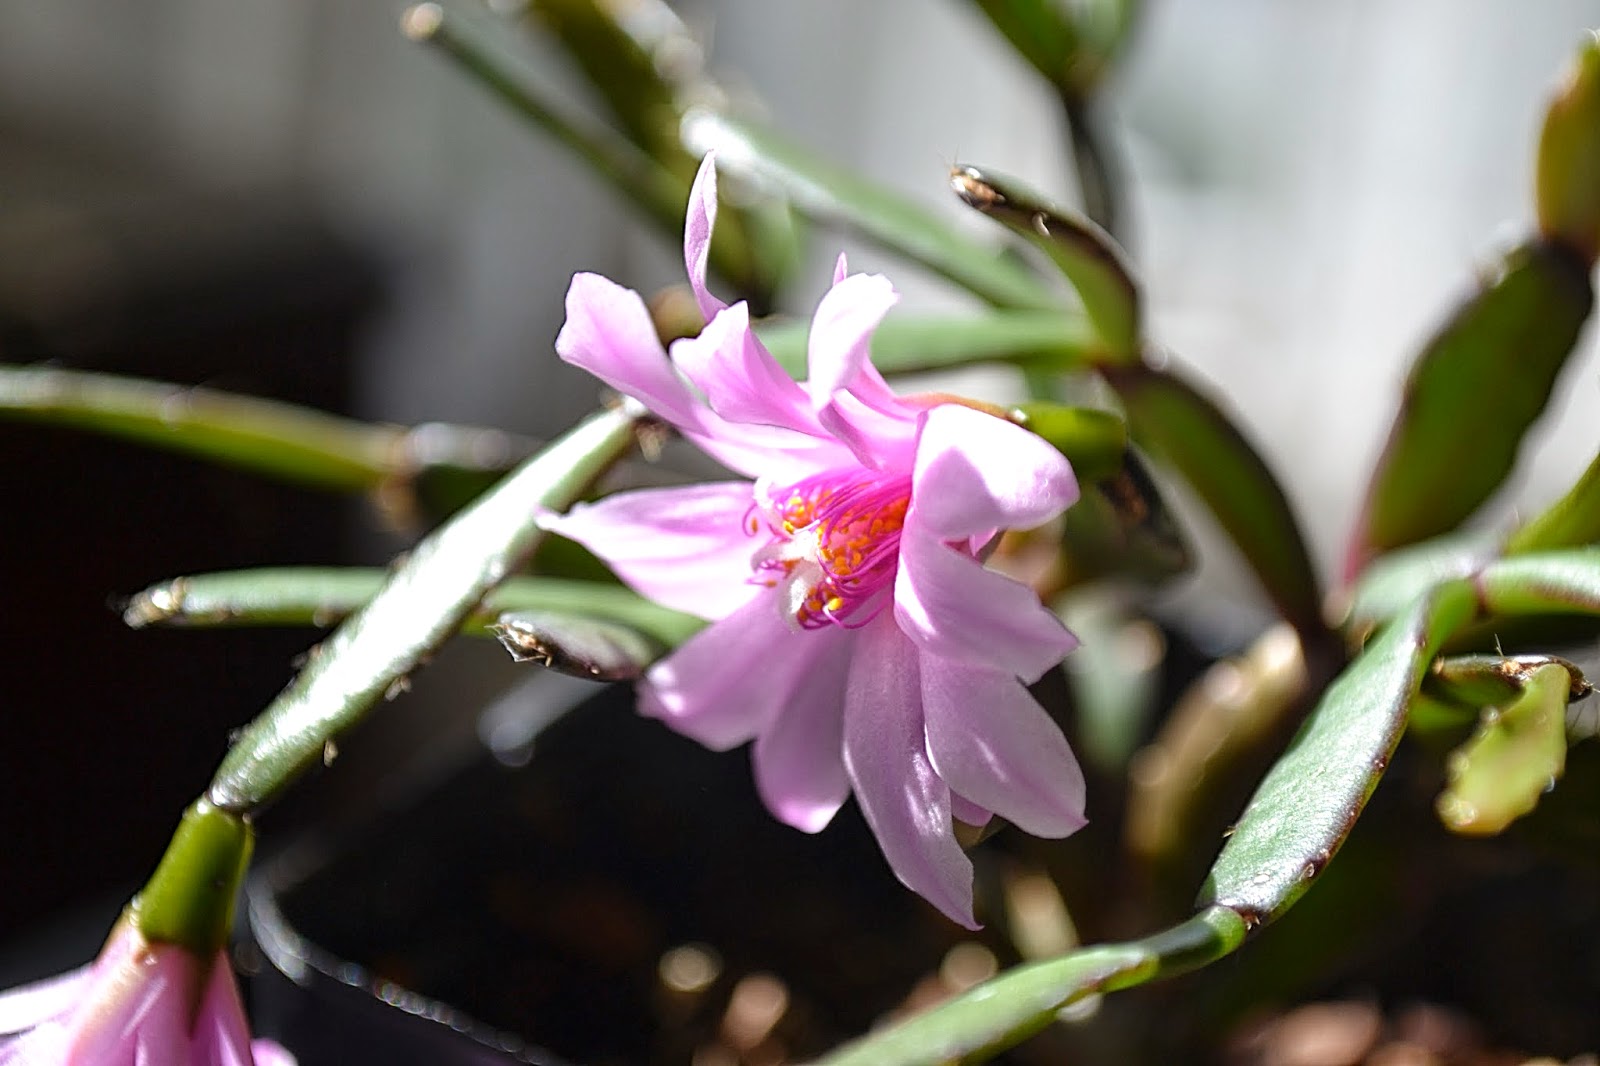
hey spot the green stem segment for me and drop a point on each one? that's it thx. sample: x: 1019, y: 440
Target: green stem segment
x: 1007, y: 1009
x: 423, y: 602
x: 189, y: 899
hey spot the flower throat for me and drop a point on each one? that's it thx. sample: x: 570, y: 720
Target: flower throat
x: 835, y: 544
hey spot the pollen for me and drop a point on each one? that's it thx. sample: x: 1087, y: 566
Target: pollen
x: 834, y: 544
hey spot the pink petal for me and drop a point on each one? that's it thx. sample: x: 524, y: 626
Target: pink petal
x: 977, y: 473
x: 955, y: 609
x: 221, y: 1033
x: 799, y: 757
x: 26, y: 1006
x: 967, y: 812
x: 841, y: 268
x: 698, y: 224
x: 726, y: 683
x: 995, y: 746
x: 741, y: 380
x: 270, y: 1053
x: 903, y: 799
x: 685, y: 548
x: 838, y: 352
x: 608, y: 332
x: 876, y: 440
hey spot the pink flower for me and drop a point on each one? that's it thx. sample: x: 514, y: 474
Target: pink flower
x: 857, y: 637
x: 138, y: 1004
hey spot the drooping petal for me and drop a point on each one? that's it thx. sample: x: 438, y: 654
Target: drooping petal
x: 698, y: 223
x: 904, y: 800
x: 740, y: 379
x: 608, y: 332
x: 976, y: 473
x: 685, y: 548
x: 726, y: 683
x: 799, y: 757
x: 955, y: 609
x: 995, y: 746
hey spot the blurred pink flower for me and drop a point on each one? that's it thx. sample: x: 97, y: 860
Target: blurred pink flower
x: 138, y: 1004
x: 857, y: 637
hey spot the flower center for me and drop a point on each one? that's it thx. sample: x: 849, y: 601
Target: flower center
x: 834, y: 547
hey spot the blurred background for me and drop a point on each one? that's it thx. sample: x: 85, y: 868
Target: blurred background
x: 292, y: 199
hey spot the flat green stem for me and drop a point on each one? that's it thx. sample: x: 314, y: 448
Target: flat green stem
x: 643, y: 181
x: 837, y: 197
x: 275, y: 438
x: 189, y: 899
x: 1571, y: 521
x: 1052, y: 341
x: 296, y: 444
x: 324, y: 596
x: 1013, y: 1006
x: 423, y: 602
x: 1099, y: 183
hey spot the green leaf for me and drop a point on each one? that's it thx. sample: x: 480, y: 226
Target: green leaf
x: 837, y: 197
x: 1006, y: 1009
x: 1568, y: 179
x: 1180, y: 426
x: 1571, y: 521
x: 1394, y: 580
x: 1095, y: 441
x: 1310, y: 800
x: 1044, y: 34
x: 1083, y: 252
x: 1515, y: 756
x: 297, y: 596
x: 906, y: 344
x: 597, y: 651
x: 1474, y: 391
x: 422, y: 603
x: 1559, y: 582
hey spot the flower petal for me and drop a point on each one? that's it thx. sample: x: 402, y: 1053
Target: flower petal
x: 270, y: 1053
x: 838, y: 350
x: 904, y: 800
x: 741, y: 380
x: 608, y: 332
x: 967, y: 812
x: 955, y: 609
x: 698, y: 223
x: 726, y: 683
x: 799, y: 757
x: 221, y: 1034
x: 977, y: 473
x: 29, y: 1005
x: 994, y: 745
x: 685, y: 548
